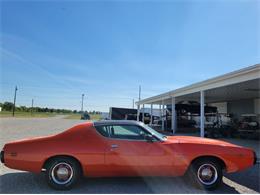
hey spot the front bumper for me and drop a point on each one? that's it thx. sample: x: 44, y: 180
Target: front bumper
x: 2, y: 157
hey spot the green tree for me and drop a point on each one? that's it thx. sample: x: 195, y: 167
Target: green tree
x: 7, y: 106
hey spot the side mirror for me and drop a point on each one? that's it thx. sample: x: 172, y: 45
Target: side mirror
x: 149, y: 138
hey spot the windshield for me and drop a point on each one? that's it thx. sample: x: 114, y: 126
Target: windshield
x: 154, y: 132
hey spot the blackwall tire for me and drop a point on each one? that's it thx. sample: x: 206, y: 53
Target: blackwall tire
x: 206, y: 174
x: 62, y: 173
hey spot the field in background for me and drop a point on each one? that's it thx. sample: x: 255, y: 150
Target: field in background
x: 73, y: 116
x: 27, y: 114
x: 77, y: 116
x: 4, y: 114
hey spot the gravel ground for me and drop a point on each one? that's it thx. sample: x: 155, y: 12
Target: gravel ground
x: 13, y: 181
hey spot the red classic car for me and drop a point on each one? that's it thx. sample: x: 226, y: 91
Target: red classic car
x: 125, y: 148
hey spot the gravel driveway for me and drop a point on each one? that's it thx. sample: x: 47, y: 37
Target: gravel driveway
x: 13, y: 181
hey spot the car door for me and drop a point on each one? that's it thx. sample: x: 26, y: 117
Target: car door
x: 129, y: 153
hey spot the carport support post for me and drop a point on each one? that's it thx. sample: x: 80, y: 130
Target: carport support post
x: 163, y: 115
x: 173, y: 116
x: 202, y: 113
x: 143, y: 114
x: 138, y: 112
x: 160, y: 110
x: 151, y: 113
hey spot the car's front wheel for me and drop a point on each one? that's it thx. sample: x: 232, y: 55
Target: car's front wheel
x: 62, y: 173
x: 206, y: 173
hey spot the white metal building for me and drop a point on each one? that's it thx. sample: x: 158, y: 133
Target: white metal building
x: 237, y: 92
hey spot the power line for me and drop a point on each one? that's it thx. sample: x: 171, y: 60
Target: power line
x: 52, y: 97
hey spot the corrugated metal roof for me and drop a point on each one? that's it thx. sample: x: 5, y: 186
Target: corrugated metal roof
x: 245, y: 74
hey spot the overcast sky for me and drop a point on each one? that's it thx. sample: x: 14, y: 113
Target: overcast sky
x: 55, y: 51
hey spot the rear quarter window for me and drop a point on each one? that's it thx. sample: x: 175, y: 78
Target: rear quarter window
x: 102, y: 130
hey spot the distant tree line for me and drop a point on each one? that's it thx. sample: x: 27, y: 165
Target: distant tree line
x: 94, y: 112
x: 8, y: 106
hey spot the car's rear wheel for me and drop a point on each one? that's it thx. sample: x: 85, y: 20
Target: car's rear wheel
x: 62, y: 173
x: 206, y: 173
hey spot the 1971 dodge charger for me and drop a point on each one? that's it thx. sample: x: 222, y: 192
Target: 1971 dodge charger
x: 125, y: 148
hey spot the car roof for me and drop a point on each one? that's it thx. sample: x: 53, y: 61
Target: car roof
x: 116, y: 122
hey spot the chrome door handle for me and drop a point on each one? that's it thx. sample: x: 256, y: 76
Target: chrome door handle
x: 114, y: 146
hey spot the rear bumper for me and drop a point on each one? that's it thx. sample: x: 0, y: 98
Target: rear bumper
x: 255, y: 158
x: 2, y: 157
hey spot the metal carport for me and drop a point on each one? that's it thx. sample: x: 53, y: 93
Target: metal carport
x: 237, y: 85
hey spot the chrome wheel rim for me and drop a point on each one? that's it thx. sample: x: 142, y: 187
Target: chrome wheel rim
x: 62, y: 173
x: 207, y: 174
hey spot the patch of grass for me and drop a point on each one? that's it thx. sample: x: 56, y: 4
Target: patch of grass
x: 73, y: 116
x: 78, y: 116
x: 95, y: 116
x: 27, y: 114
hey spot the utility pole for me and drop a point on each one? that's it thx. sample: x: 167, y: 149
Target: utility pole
x: 139, y: 92
x: 133, y: 103
x: 82, y: 103
x: 32, y: 108
x: 14, y: 99
x: 138, y: 106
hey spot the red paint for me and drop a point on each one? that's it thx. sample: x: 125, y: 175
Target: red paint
x: 132, y: 158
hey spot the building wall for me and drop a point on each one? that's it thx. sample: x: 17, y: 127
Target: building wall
x: 156, y: 111
x: 241, y: 107
x: 222, y: 107
x: 257, y: 106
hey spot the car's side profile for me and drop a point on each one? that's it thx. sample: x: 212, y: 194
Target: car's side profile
x: 125, y: 148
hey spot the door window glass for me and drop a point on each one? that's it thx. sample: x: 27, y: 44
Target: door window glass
x: 127, y: 132
x: 132, y: 132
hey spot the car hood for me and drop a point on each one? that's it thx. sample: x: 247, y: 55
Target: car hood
x: 198, y: 140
